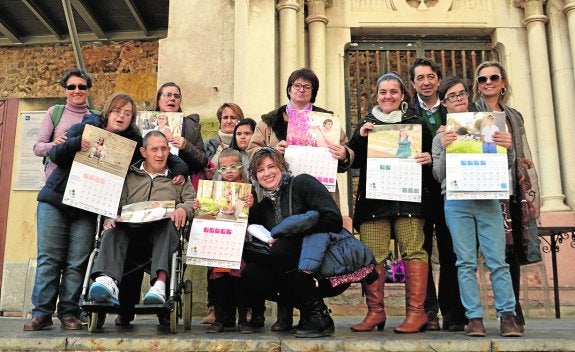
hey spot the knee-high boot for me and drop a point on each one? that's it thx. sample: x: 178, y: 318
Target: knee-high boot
x: 415, y: 292
x: 374, y: 294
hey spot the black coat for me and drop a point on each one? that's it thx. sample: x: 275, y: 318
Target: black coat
x: 371, y: 209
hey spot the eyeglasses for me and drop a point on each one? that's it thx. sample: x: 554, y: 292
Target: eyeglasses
x: 79, y: 86
x: 223, y: 169
x: 305, y: 87
x: 452, y: 98
x: 125, y: 113
x: 169, y: 95
x: 493, y: 78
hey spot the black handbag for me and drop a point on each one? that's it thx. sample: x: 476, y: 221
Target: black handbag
x: 256, y: 251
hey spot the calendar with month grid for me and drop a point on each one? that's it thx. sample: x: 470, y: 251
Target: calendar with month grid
x: 97, y: 175
x: 392, y: 172
x: 219, y: 227
x: 476, y: 167
x: 315, y: 161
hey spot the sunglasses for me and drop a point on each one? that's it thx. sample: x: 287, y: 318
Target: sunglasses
x: 493, y: 78
x: 79, y: 86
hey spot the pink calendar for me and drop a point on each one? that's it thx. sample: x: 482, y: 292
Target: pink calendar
x: 219, y: 226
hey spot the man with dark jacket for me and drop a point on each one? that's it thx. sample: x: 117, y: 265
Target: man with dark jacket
x: 425, y: 76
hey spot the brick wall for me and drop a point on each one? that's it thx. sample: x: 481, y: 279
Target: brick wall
x: 34, y: 71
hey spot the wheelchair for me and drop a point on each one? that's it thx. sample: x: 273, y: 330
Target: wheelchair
x: 178, y: 291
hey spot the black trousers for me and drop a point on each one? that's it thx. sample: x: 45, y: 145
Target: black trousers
x: 448, y: 298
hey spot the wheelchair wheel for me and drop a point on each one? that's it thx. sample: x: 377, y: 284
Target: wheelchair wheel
x: 187, y: 305
x: 93, y: 321
x: 174, y: 320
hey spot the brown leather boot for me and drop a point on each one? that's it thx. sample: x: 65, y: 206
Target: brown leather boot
x: 508, y: 326
x: 374, y: 293
x: 415, y: 291
x: 285, y: 318
x: 475, y: 328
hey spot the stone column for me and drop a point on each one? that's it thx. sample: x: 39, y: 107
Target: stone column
x: 550, y: 178
x: 288, y: 10
x: 569, y: 10
x: 564, y: 97
x: 316, y: 22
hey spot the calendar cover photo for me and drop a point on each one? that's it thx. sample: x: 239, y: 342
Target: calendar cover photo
x: 474, y: 132
x: 309, y: 134
x: 476, y: 168
x: 97, y: 175
x: 169, y: 123
x: 146, y: 211
x: 219, y: 227
x: 392, y: 172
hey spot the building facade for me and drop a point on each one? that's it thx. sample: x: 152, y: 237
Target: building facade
x: 244, y: 50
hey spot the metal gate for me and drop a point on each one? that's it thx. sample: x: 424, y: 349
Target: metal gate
x: 366, y: 60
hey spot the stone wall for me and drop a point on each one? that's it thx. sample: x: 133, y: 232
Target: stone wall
x: 34, y: 71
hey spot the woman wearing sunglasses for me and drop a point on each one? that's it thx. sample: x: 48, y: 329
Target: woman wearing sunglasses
x: 491, y: 92
x: 77, y: 85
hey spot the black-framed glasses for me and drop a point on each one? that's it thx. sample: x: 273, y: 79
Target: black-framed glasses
x: 452, y: 98
x: 493, y: 78
x: 223, y: 169
x: 74, y: 86
x: 305, y: 87
x: 169, y: 95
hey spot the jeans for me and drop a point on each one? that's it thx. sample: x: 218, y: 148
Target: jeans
x: 469, y: 221
x: 65, y: 240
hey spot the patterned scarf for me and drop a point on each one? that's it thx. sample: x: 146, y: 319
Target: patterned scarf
x: 526, y: 187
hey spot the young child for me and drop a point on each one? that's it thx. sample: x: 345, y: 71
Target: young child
x: 225, y: 283
x: 470, y: 221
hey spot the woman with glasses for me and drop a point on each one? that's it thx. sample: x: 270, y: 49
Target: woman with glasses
x: 77, y: 85
x: 190, y: 144
x: 377, y: 219
x: 65, y: 234
x: 491, y: 91
x: 271, y: 131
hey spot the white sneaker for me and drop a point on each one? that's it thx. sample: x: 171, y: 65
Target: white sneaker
x: 155, y: 296
x: 104, y: 290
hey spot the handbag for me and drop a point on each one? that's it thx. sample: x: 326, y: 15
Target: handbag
x: 394, y: 269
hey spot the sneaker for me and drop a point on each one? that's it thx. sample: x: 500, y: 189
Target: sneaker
x: 104, y: 290
x: 155, y: 296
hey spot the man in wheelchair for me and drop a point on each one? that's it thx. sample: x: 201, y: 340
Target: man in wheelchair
x: 147, y: 180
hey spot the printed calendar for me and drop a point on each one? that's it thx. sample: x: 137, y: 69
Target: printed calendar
x: 97, y: 175
x: 315, y: 161
x: 391, y: 171
x: 309, y: 134
x: 219, y: 227
x: 169, y: 123
x: 476, y: 168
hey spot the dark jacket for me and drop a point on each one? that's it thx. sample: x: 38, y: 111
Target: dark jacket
x: 370, y: 209
x: 193, y: 153
x: 307, y: 194
x: 63, y: 156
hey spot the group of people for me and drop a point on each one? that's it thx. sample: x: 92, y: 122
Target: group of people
x: 253, y: 152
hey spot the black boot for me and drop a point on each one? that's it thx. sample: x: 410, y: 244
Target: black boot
x: 318, y: 322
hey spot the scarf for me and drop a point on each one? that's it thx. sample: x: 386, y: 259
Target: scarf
x: 526, y: 188
x: 225, y: 138
x: 392, y: 117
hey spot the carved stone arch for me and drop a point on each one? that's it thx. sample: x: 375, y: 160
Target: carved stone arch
x: 441, y: 6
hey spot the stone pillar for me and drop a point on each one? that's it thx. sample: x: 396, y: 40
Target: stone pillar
x: 549, y: 170
x: 288, y: 10
x: 569, y: 10
x: 564, y: 97
x: 316, y: 21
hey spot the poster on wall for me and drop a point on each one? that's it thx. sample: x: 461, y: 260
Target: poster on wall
x: 30, y: 174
